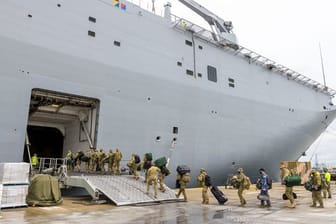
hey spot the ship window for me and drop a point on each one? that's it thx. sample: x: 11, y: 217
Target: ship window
x: 188, y: 42
x: 116, y: 43
x: 189, y: 72
x: 91, y: 33
x: 212, y: 74
x: 175, y: 130
x: 58, y: 5
x: 158, y: 138
x: 231, y: 80
x: 199, y: 75
x: 200, y: 47
x: 92, y: 19
x: 30, y: 16
x: 179, y: 63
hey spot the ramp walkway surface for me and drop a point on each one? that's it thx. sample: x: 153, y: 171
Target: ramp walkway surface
x: 122, y: 190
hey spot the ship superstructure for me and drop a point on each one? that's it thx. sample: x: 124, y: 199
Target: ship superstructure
x: 95, y: 73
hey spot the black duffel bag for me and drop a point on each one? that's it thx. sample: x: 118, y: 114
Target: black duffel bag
x: 284, y: 196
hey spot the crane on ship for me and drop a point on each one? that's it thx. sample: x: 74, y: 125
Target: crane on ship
x: 222, y: 28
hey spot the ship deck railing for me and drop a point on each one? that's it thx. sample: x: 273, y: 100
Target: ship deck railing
x: 251, y: 56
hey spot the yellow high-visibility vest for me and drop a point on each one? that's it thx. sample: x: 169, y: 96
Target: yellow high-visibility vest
x: 327, y: 176
x: 34, y: 160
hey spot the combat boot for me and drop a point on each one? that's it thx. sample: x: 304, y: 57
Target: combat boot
x: 313, y: 206
x: 293, y: 205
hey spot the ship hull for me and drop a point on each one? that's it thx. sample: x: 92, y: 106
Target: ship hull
x: 265, y: 119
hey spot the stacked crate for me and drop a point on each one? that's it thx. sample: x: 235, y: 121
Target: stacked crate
x: 14, y: 178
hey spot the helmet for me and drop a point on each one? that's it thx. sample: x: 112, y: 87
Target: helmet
x: 325, y: 169
x: 202, y: 170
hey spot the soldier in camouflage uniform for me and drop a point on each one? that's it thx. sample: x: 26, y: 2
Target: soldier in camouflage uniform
x: 201, y: 181
x: 241, y: 178
x: 152, y: 178
x: 134, y: 167
x: 110, y: 162
x: 161, y: 177
x: 117, y: 159
x: 102, y: 157
x: 316, y: 192
x: 182, y: 181
x: 289, y: 190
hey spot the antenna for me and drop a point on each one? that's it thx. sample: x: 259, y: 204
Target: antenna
x: 324, y: 80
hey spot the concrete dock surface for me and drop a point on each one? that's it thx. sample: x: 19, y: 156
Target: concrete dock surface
x: 74, y: 210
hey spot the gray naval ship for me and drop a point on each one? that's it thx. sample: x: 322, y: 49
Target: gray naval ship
x: 81, y: 74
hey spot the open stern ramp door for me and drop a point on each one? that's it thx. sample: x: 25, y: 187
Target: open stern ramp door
x: 122, y: 190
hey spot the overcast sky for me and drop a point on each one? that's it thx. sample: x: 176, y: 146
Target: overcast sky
x: 286, y: 31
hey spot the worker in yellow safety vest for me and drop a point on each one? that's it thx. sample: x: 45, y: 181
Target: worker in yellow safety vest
x: 34, y: 161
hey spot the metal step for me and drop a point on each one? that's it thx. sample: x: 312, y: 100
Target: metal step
x: 122, y: 190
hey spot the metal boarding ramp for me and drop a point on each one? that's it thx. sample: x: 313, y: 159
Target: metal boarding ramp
x: 122, y: 190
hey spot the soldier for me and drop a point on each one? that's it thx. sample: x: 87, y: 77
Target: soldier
x: 86, y: 159
x: 134, y: 166
x: 92, y: 160
x: 289, y: 190
x: 163, y: 173
x: 69, y: 159
x: 201, y: 181
x: 110, y: 161
x: 152, y: 177
x: 182, y: 181
x: 146, y: 164
x: 241, y: 178
x: 327, y: 179
x: 264, y: 196
x: 316, y: 192
x: 78, y: 157
x: 101, y: 159
x: 117, y: 159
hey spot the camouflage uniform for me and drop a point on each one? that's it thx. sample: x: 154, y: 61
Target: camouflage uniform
x: 134, y: 167
x: 161, y: 181
x: 117, y: 159
x: 201, y: 181
x: 289, y: 190
x: 78, y: 160
x: 241, y: 178
x: 152, y: 178
x: 110, y: 162
x: 183, y: 184
x: 316, y: 193
x: 101, y: 159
